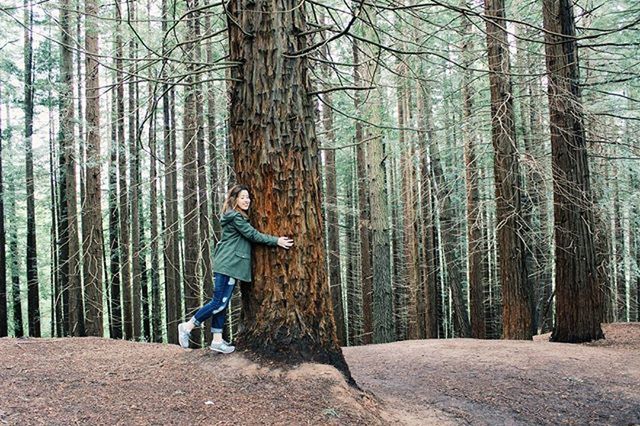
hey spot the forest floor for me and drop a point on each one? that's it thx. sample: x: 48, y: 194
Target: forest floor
x: 421, y: 382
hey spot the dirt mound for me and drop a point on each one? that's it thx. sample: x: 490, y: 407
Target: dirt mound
x: 101, y: 381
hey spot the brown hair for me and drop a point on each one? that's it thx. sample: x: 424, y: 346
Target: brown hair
x: 231, y: 202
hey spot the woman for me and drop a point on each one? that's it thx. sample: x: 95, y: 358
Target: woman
x: 232, y: 263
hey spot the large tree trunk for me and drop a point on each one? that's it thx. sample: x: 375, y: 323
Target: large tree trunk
x: 287, y: 309
x: 4, y: 319
x: 93, y: 251
x: 33, y: 291
x: 516, y: 295
x: 578, y: 301
x: 366, y: 268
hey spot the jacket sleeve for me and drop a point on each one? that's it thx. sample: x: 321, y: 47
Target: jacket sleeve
x: 250, y: 233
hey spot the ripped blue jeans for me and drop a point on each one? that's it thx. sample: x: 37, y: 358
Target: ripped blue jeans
x: 217, y: 307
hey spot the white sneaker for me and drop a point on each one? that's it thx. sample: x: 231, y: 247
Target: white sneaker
x: 183, y: 335
x: 222, y: 347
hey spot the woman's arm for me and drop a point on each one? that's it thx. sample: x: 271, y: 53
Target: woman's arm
x: 250, y: 233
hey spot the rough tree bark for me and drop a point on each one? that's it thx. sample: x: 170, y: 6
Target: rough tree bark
x: 287, y: 309
x: 517, y: 298
x: 578, y: 300
x: 92, y: 207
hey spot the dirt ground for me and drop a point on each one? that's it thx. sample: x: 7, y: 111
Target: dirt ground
x: 439, y: 382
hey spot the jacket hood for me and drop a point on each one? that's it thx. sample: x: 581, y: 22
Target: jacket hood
x: 229, y: 216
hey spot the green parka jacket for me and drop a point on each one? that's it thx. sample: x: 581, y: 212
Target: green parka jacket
x: 233, y: 252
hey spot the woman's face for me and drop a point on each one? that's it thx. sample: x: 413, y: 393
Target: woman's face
x: 244, y: 200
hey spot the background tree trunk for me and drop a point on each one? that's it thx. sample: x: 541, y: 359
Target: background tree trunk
x: 93, y: 251
x: 366, y: 274
x: 70, y: 260
x: 578, y: 302
x: 4, y: 314
x: 33, y: 286
x: 516, y: 296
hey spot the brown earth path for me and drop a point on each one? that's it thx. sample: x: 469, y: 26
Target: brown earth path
x: 489, y: 382
x: 461, y: 381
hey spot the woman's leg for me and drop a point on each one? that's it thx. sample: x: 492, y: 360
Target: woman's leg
x: 219, y: 315
x: 221, y: 294
x: 220, y: 298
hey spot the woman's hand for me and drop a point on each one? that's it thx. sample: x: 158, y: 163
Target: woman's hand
x: 285, y: 242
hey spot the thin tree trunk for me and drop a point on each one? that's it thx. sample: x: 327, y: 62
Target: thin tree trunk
x: 70, y: 243
x: 214, y: 178
x: 170, y: 237
x: 93, y: 250
x: 192, y: 286
x: 18, y: 325
x: 4, y: 314
x: 429, y: 255
x: 516, y: 295
x: 115, y: 325
x: 475, y: 246
x: 33, y: 291
x: 366, y: 274
x: 206, y: 271
x: 354, y: 283
x: 134, y: 188
x: 331, y: 206
x: 123, y: 180
x: 578, y: 301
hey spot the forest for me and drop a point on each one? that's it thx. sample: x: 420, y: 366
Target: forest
x: 454, y: 168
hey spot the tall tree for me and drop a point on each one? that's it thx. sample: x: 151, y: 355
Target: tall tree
x: 70, y: 262
x: 92, y: 247
x: 134, y: 187
x: 475, y: 247
x: 331, y: 207
x: 115, y: 320
x: 4, y: 319
x: 382, y: 300
x: 578, y: 307
x: 123, y: 183
x: 171, y: 256
x: 287, y: 309
x: 516, y: 296
x: 366, y: 272
x: 192, y: 285
x: 429, y: 274
x: 33, y: 290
